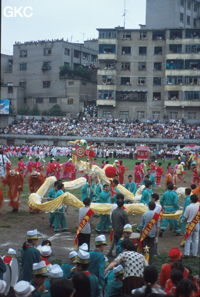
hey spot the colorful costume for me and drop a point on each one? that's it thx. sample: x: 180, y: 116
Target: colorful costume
x: 59, y: 221
x: 146, y: 196
x: 131, y: 187
x: 186, y: 203
x: 159, y: 173
x: 14, y: 180
x: 169, y: 203
x: 104, y: 224
x: 85, y: 191
x: 97, y: 266
x: 137, y: 174
x: 35, y: 181
x: 29, y: 256
x: 67, y: 270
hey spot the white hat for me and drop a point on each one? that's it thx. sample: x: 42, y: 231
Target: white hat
x: 12, y: 251
x: 128, y: 228
x: 23, y: 289
x: 83, y: 257
x: 33, y: 234
x: 55, y: 271
x: 183, y: 163
x: 2, y: 286
x: 100, y: 240
x: 40, y: 268
x: 30, y: 158
x: 45, y: 250
x: 116, y: 161
x: 72, y: 255
x: 84, y: 247
x: 118, y: 269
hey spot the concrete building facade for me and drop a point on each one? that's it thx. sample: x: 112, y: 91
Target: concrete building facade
x: 162, y: 14
x: 36, y: 69
x: 149, y: 74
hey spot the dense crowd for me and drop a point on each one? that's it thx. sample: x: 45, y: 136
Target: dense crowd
x: 101, y: 151
x: 96, y: 127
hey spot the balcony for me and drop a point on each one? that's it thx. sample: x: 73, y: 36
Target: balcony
x: 107, y: 71
x: 184, y: 56
x: 106, y: 87
x: 179, y: 72
x: 183, y: 88
x: 107, y: 56
x: 107, y: 41
x: 106, y: 102
x: 182, y: 103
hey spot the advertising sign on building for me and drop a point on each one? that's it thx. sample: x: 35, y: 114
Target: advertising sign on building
x: 4, y: 106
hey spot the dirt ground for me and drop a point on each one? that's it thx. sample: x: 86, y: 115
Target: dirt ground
x: 13, y: 227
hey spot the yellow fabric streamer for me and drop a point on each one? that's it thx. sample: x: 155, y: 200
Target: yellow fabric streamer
x: 127, y: 194
x: 35, y: 200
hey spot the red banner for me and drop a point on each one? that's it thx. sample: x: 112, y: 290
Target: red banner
x: 148, y: 227
x: 82, y: 224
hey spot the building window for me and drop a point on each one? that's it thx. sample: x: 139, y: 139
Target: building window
x: 175, y: 48
x: 77, y: 54
x: 107, y: 79
x: 53, y: 100
x: 124, y: 114
x: 173, y: 115
x: 191, y: 115
x: 47, y: 51
x: 106, y: 95
x: 107, y: 34
x: 141, y: 81
x: 143, y: 35
x: 70, y: 101
x: 70, y: 83
x: 157, y: 81
x: 22, y: 84
x: 107, y: 48
x: 39, y: 100
x: 181, y: 17
x: 107, y: 114
x: 156, y: 115
x: 46, y: 66
x: 46, y: 84
x: 126, y: 36
x: 67, y: 51
x: 23, y: 66
x: 125, y: 81
x: 176, y: 34
x: 189, y: 4
x: 158, y: 35
x: 158, y: 50
x: 142, y: 66
x: 125, y: 66
x: 23, y: 53
x: 195, y: 7
x: 126, y: 50
x: 140, y: 115
x: 174, y: 80
x: 194, y: 23
x: 188, y: 20
x: 10, y: 89
x: 182, y: 2
x: 192, y: 95
x: 156, y: 96
x: 142, y: 50
x: 192, y: 48
x: 157, y: 66
x: 173, y: 95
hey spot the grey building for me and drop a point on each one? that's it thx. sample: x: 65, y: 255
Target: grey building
x: 36, y: 69
x: 149, y: 74
x: 162, y: 14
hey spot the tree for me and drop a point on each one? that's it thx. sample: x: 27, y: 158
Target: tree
x: 55, y: 110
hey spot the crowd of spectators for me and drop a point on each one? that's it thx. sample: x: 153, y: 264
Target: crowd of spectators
x: 96, y: 127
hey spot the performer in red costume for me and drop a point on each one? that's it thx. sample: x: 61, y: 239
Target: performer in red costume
x: 35, y: 180
x: 121, y: 170
x: 159, y: 174
x: 14, y: 181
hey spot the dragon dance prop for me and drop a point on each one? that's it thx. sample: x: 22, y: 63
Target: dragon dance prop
x: 35, y: 200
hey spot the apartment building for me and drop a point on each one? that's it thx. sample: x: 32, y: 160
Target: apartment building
x: 35, y: 67
x: 149, y: 74
x: 162, y: 14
